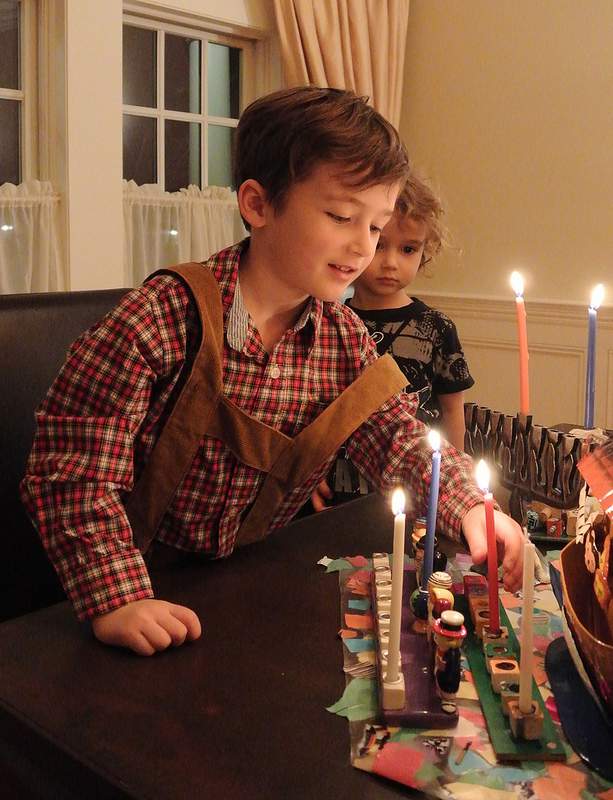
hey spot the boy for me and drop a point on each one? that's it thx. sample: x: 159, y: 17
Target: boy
x: 317, y: 173
x: 423, y: 341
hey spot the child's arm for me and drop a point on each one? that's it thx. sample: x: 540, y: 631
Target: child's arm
x: 82, y: 461
x: 453, y: 425
x: 391, y: 448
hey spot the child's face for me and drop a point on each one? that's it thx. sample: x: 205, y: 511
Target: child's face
x: 325, y: 234
x: 396, y: 262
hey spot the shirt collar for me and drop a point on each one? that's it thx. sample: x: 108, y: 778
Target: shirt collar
x: 237, y: 327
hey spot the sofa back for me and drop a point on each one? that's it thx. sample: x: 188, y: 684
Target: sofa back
x: 36, y: 331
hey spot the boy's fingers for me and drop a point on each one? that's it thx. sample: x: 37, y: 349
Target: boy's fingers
x: 139, y: 643
x: 325, y: 490
x: 189, y: 618
x: 318, y: 501
x: 175, y: 629
x: 157, y: 635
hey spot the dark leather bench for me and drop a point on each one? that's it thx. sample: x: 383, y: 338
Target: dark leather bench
x: 36, y: 331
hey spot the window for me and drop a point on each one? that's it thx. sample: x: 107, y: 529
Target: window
x: 183, y: 91
x: 17, y: 106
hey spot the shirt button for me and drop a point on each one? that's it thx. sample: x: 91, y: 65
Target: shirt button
x: 275, y: 372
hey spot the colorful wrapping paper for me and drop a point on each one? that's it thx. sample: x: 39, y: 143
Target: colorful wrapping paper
x: 458, y: 762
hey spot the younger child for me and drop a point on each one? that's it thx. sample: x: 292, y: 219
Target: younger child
x: 423, y: 341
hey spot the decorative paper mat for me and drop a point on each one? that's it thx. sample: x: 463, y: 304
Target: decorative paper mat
x: 459, y: 762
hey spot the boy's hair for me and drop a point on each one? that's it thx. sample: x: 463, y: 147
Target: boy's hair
x: 417, y: 201
x: 282, y: 137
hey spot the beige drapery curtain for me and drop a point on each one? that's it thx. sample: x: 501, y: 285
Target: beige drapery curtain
x: 346, y: 44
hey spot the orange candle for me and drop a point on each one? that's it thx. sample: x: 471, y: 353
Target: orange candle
x: 517, y: 283
x: 483, y: 479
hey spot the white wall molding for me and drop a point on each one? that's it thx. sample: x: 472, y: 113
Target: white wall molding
x: 501, y: 308
x: 557, y: 339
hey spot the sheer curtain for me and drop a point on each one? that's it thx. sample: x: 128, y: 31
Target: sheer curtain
x: 346, y: 44
x: 30, y: 239
x: 165, y: 228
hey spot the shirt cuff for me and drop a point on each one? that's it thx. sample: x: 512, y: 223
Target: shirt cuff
x: 107, y: 583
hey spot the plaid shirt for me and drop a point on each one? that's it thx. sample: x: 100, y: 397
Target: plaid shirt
x: 103, y: 414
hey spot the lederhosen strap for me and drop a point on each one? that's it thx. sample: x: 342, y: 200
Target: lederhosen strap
x: 202, y: 410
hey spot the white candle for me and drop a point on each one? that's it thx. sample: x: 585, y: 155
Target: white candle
x: 525, y: 665
x: 483, y: 480
x: 393, y: 652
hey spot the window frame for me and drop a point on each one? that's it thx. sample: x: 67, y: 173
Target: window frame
x: 205, y: 33
x: 27, y: 95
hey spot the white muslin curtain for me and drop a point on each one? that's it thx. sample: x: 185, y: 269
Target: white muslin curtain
x: 31, y: 257
x: 166, y: 228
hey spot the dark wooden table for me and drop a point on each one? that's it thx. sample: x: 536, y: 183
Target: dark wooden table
x: 238, y: 714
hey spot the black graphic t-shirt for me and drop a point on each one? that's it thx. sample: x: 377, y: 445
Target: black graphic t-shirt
x: 427, y: 349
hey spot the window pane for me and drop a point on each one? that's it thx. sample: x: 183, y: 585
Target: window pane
x: 223, y: 80
x: 182, y: 154
x: 10, y: 166
x: 181, y: 74
x: 139, y: 149
x: 220, y: 144
x: 9, y: 44
x: 139, y: 67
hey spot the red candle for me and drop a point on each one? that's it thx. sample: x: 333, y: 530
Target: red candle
x: 517, y: 282
x: 483, y: 479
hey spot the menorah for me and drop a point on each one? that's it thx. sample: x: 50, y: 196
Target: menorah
x: 533, y: 462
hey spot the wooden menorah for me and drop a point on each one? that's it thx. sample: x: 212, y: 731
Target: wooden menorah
x: 533, y: 462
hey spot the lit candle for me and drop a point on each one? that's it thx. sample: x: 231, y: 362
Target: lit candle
x: 434, y: 439
x: 517, y: 284
x: 590, y: 375
x: 525, y: 664
x: 393, y: 651
x: 483, y: 480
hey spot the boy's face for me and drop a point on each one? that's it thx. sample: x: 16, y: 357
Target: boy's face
x: 325, y: 234
x: 395, y: 264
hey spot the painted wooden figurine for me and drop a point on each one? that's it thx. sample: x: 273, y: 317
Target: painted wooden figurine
x: 449, y: 634
x: 440, y: 597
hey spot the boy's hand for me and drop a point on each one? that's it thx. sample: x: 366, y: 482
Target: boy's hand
x: 147, y: 626
x: 322, y: 493
x: 509, y: 539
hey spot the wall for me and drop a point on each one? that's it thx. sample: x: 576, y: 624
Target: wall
x: 83, y: 108
x: 506, y: 109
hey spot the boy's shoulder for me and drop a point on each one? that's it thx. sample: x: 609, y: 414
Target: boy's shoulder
x: 163, y: 284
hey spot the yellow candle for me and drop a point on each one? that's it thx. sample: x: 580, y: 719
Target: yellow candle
x: 393, y: 653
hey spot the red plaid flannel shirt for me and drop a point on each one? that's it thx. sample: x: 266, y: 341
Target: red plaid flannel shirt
x: 103, y: 413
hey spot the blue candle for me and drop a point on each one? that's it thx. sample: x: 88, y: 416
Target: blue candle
x: 435, y: 443
x: 596, y: 300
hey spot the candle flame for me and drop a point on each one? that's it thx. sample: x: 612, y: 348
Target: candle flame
x: 517, y: 283
x: 482, y: 474
x: 597, y: 296
x: 398, y: 502
x: 434, y: 439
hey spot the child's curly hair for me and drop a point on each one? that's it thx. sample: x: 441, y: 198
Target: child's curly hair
x: 418, y: 202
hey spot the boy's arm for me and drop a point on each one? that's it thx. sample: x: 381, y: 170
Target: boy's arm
x: 82, y: 459
x: 391, y: 448
x: 452, y: 423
